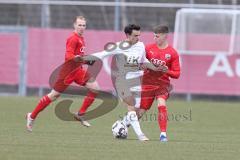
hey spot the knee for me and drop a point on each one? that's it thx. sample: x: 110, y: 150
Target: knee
x: 140, y: 113
x: 94, y: 87
x: 53, y: 95
x: 161, y: 102
x: 130, y: 101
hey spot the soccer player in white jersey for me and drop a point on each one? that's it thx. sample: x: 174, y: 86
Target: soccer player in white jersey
x: 128, y: 57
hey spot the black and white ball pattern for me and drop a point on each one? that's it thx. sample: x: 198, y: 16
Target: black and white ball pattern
x: 119, y: 130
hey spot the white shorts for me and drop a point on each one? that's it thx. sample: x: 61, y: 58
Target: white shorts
x: 130, y: 87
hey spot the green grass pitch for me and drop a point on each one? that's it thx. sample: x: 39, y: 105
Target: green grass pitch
x: 197, y: 130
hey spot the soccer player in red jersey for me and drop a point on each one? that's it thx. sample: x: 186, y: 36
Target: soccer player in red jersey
x: 156, y: 84
x: 74, y: 49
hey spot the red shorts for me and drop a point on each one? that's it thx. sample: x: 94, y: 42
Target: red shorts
x: 149, y: 93
x: 79, y: 76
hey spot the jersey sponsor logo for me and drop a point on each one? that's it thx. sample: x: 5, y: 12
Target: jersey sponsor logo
x: 167, y: 56
x: 158, y: 62
x: 132, y: 59
x: 82, y: 49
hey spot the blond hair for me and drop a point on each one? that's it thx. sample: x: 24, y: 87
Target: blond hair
x: 79, y: 17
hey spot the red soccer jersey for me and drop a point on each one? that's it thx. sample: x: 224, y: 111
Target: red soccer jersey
x: 75, y: 46
x: 157, y: 56
x: 68, y: 71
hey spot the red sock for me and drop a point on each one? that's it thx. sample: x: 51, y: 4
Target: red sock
x: 88, y: 100
x: 162, y: 118
x: 43, y: 103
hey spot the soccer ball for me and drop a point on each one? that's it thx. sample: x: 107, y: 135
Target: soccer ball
x: 119, y: 130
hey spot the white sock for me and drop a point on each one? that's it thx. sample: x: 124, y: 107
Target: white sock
x: 164, y: 134
x: 126, y: 121
x: 133, y: 119
x: 137, y: 102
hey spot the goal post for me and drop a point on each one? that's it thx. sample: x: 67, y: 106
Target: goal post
x: 22, y: 62
x: 207, y: 31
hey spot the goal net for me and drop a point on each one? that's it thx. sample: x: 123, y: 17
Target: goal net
x: 207, y: 31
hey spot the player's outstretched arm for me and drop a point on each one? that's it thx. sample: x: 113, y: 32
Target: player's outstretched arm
x: 90, y: 59
x: 98, y: 55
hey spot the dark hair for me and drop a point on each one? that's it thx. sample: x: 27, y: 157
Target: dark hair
x: 129, y: 28
x: 161, y: 29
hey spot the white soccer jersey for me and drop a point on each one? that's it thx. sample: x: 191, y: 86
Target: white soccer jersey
x: 127, y: 64
x: 127, y: 60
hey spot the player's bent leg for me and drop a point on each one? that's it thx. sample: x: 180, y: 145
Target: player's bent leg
x: 126, y: 120
x: 145, y: 105
x: 88, y: 100
x: 140, y: 112
x: 162, y: 118
x: 130, y: 101
x: 134, y: 122
x: 93, y: 86
x: 42, y: 104
x: 161, y: 101
x: 53, y: 95
x: 130, y: 106
x: 131, y: 118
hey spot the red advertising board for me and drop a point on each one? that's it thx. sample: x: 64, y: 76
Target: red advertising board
x: 215, y: 74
